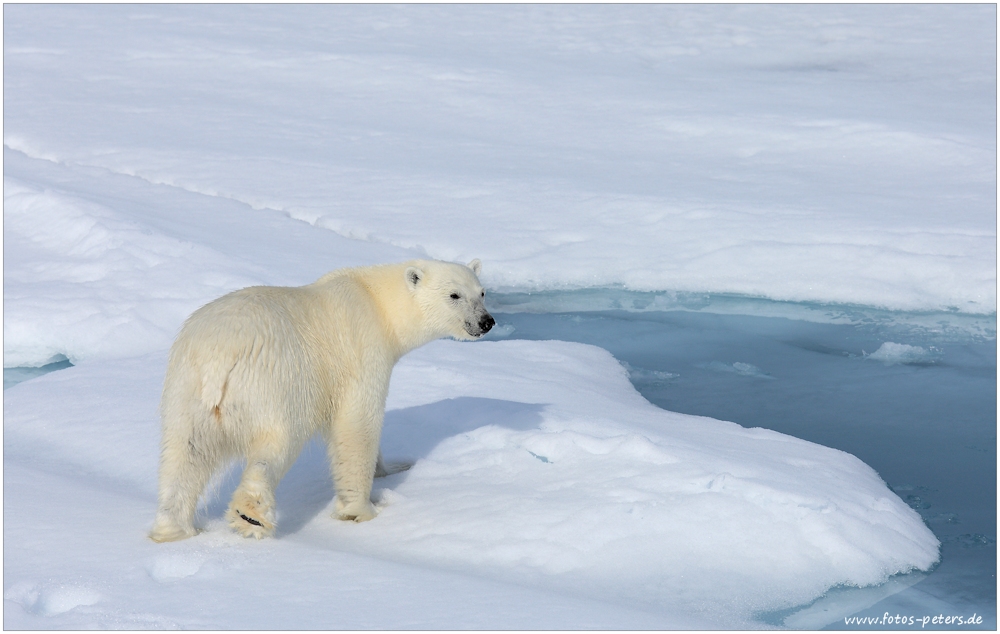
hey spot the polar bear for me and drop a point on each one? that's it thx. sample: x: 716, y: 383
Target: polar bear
x: 258, y: 372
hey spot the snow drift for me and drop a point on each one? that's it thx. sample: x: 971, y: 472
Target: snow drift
x: 534, y: 464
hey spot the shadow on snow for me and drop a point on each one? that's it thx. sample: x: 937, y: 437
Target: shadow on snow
x: 408, y: 435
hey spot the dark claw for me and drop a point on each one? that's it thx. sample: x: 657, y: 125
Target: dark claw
x: 252, y: 521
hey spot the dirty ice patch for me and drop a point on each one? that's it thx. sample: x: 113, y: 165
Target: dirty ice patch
x: 891, y: 353
x: 554, y: 471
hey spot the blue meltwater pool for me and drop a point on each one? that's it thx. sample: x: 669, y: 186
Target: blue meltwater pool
x: 912, y: 395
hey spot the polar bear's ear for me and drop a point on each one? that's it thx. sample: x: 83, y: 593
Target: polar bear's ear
x: 413, y: 277
x: 476, y: 266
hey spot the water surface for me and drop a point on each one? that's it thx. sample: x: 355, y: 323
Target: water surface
x: 912, y: 395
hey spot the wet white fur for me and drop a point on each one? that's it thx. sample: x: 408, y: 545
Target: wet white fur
x: 258, y: 372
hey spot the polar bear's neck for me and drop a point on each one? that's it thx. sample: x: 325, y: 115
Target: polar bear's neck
x: 401, y: 315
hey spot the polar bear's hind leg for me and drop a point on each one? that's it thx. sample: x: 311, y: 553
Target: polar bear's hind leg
x: 185, y: 468
x: 252, y: 510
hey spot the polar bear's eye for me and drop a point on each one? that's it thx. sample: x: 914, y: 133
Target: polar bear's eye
x: 455, y: 296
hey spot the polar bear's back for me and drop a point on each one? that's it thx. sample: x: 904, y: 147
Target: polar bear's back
x: 264, y: 353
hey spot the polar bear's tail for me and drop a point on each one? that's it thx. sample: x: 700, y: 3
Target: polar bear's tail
x: 214, y: 374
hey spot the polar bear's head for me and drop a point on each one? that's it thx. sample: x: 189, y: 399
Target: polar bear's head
x: 450, y: 297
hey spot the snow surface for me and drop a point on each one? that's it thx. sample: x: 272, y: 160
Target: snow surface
x: 536, y: 464
x: 839, y: 154
x: 156, y: 157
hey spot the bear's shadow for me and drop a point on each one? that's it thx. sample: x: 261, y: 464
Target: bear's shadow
x: 408, y: 435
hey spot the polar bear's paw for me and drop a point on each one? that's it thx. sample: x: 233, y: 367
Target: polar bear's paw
x: 356, y: 511
x: 165, y: 530
x: 251, y: 516
x: 249, y: 524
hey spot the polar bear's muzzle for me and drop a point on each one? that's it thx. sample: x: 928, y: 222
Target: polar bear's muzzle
x: 486, y: 322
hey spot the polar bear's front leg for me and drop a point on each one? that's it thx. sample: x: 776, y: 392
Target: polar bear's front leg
x: 353, y: 449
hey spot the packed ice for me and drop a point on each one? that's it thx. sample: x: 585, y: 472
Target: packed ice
x: 891, y: 353
x: 159, y: 156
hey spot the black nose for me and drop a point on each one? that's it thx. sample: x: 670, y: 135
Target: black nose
x: 486, y: 323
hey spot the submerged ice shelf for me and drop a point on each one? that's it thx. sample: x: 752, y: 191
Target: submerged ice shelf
x: 912, y: 395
